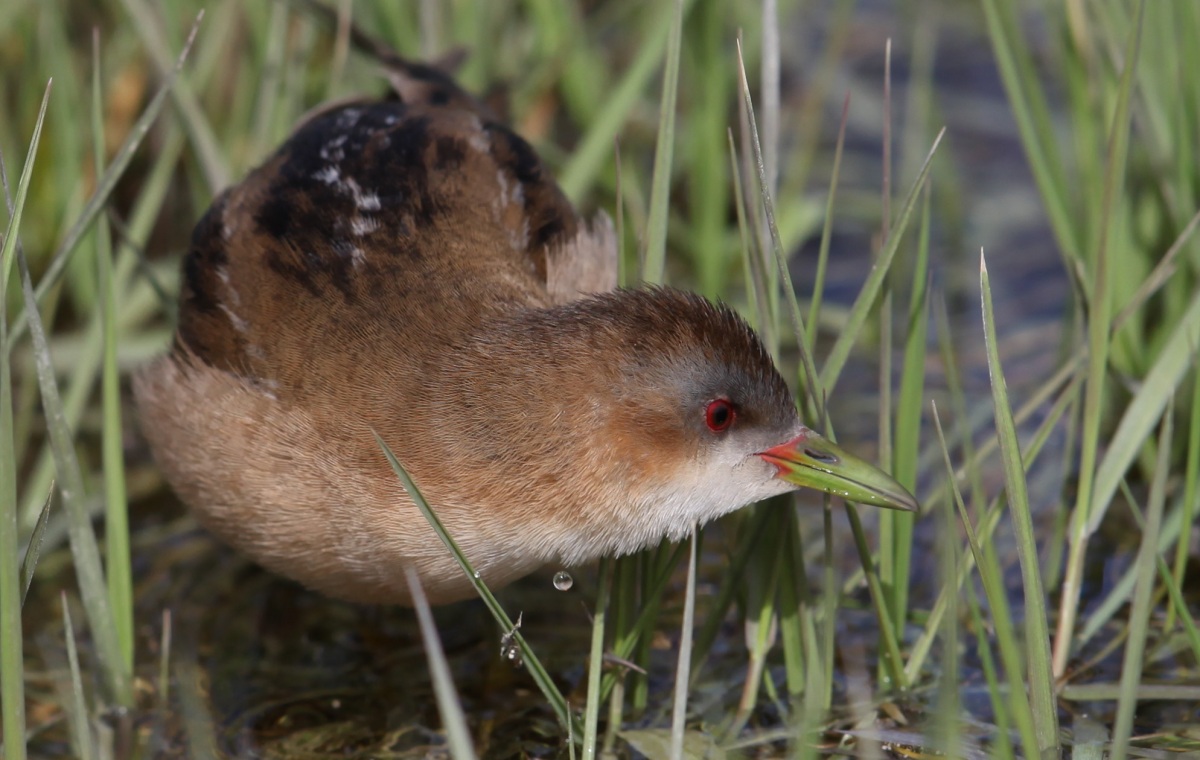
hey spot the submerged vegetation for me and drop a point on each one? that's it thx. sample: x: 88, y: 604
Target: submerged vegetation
x: 790, y: 160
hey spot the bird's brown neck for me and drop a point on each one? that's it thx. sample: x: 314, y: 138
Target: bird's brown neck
x: 526, y: 407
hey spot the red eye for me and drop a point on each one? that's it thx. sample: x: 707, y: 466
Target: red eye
x: 719, y: 415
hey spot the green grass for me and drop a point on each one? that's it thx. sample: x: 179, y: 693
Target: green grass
x: 715, y: 180
x: 11, y: 595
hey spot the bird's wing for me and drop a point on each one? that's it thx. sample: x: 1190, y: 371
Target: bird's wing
x: 387, y: 229
x: 585, y: 264
x: 572, y: 264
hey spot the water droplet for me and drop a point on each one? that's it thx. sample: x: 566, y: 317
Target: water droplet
x: 510, y: 649
x: 476, y: 575
x: 563, y: 580
x: 512, y: 655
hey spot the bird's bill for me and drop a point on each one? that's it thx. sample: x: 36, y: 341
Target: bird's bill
x: 810, y: 461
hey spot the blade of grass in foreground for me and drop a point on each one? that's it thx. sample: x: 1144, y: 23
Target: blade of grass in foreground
x: 453, y: 720
x: 198, y: 724
x: 82, y: 364
x: 815, y: 385
x: 164, y: 666
x: 84, y: 550
x: 1139, y: 616
x: 1142, y: 413
x: 540, y: 676
x: 679, y: 708
x: 116, y: 510
x: 947, y: 725
x: 1192, y: 475
x: 807, y: 668
x: 33, y: 549
x: 1099, y: 326
x: 640, y: 632
x: 919, y: 650
x: 596, y: 662
x: 898, y: 526
x: 1037, y: 634
x: 12, y: 657
x: 1006, y: 640
x: 78, y: 717
x: 752, y: 263
x: 760, y: 616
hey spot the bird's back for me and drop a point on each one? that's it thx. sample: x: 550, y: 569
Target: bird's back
x: 413, y: 220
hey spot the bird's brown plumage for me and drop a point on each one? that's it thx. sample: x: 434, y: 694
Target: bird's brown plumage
x: 410, y: 267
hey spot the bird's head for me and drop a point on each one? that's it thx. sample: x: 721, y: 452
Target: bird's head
x: 705, y: 419
x: 643, y: 413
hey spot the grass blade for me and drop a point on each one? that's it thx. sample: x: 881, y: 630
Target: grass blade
x: 947, y: 727
x: 1037, y: 635
x: 642, y: 628
x: 1099, y: 325
x: 198, y: 724
x: 1115, y: 601
x: 1028, y: 108
x: 836, y: 361
x: 34, y: 549
x: 907, y: 432
x: 78, y: 717
x: 1139, y: 615
x: 116, y: 509
x: 16, y: 207
x: 596, y: 662
x: 993, y: 588
x: 815, y: 389
x: 814, y: 309
x: 814, y: 384
x: 164, y: 662
x: 919, y: 650
x: 12, y: 656
x: 453, y: 720
x: 1191, y: 476
x: 797, y: 627
x: 86, y: 553
x: 752, y: 262
x: 1143, y: 412
x: 539, y: 673
x: 760, y: 622
x: 679, y: 706
x: 660, y: 188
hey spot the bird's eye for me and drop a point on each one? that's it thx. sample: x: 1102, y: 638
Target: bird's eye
x: 719, y: 415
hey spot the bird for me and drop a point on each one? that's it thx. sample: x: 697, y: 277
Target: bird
x: 407, y: 266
